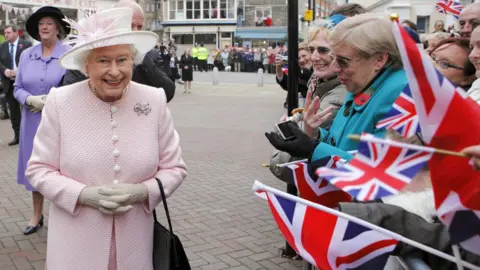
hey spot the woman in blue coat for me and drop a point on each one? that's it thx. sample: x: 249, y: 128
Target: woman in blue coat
x: 368, y: 63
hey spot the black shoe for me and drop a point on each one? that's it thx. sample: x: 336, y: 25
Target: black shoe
x: 33, y: 229
x: 14, y: 142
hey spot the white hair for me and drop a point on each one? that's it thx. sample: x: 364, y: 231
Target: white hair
x: 84, y: 56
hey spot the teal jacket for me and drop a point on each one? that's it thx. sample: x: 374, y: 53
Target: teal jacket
x: 360, y: 114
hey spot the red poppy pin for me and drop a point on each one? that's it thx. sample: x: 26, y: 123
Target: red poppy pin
x: 20, y: 46
x: 361, y: 99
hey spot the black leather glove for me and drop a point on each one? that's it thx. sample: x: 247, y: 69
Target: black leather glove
x: 302, y: 146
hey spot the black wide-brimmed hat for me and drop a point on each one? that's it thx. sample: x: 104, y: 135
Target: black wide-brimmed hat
x: 46, y: 11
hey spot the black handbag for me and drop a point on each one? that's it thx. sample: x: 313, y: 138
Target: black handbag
x: 168, y: 252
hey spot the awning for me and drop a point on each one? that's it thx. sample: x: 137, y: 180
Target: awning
x: 271, y: 33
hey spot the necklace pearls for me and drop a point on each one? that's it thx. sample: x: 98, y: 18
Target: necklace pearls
x: 94, y: 91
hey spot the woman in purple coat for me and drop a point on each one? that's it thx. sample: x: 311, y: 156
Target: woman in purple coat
x: 38, y: 71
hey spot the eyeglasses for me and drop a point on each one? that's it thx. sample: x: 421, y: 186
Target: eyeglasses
x: 319, y: 49
x: 342, y: 62
x: 445, y: 65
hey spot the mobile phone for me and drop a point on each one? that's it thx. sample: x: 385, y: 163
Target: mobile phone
x: 285, y: 132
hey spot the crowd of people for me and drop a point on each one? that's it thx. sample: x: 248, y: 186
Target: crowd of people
x: 350, y: 77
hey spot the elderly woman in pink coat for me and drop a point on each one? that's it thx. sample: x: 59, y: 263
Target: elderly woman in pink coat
x: 99, y: 147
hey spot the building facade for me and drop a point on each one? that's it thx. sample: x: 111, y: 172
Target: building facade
x: 153, y: 15
x: 264, y: 23
x: 208, y: 22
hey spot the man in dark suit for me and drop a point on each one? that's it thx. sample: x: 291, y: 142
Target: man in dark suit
x: 10, y: 52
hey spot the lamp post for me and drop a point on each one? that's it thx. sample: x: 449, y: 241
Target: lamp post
x: 193, y: 35
x: 292, y: 83
x: 218, y: 37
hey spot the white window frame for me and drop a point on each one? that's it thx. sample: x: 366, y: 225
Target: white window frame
x: 263, y: 9
x: 184, y: 17
x: 426, y: 24
x: 243, y: 8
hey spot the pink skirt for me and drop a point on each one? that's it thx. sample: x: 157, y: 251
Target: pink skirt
x: 112, y: 261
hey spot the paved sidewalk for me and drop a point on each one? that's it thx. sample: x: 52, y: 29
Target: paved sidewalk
x: 235, y: 78
x: 221, y: 223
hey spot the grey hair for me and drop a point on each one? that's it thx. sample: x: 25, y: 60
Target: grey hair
x: 356, y: 32
x: 14, y: 27
x: 83, y: 57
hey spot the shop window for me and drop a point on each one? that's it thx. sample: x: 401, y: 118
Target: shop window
x: 261, y: 13
x: 226, y: 35
x: 423, y: 24
x: 173, y: 10
x: 204, y: 9
x: 241, y: 10
x: 183, y: 38
x: 223, y: 9
x: 193, y: 9
x: 231, y: 9
x: 206, y: 38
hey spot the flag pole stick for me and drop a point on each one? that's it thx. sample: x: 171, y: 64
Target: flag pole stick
x: 281, y: 165
x: 291, y: 163
x: 356, y: 137
x: 259, y: 186
x: 458, y: 256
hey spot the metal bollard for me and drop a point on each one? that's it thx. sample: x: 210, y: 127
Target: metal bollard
x: 215, y: 76
x: 260, y: 77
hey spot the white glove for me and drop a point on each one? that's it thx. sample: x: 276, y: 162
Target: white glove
x: 110, y: 205
x: 33, y: 109
x: 137, y: 192
x: 37, y: 102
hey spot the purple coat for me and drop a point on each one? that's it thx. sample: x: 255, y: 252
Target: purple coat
x: 36, y: 75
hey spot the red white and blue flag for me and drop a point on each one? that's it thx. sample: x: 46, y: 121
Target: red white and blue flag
x: 327, y: 241
x: 319, y: 190
x: 447, y: 119
x: 449, y: 7
x: 377, y: 170
x: 402, y: 117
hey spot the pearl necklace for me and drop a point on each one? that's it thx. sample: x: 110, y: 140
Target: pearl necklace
x: 94, y: 91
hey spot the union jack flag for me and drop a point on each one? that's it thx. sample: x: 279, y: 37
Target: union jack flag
x: 443, y: 113
x: 327, y: 241
x: 320, y: 190
x: 449, y: 7
x: 377, y: 170
x: 402, y: 117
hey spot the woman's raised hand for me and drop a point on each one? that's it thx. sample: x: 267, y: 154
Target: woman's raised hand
x: 474, y: 153
x: 312, y: 118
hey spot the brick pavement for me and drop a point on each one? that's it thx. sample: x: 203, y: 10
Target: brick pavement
x: 220, y: 222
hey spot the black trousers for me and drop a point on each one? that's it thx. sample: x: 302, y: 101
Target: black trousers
x: 3, y: 103
x: 15, y: 110
x: 202, y: 65
x: 195, y: 64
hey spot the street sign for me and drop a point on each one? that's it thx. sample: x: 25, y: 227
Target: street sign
x: 308, y: 15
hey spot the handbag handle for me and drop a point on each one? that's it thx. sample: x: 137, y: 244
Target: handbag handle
x: 164, y: 200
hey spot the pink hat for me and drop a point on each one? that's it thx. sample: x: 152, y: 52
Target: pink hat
x: 107, y: 28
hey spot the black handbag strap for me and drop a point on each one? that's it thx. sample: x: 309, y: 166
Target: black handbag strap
x: 164, y: 200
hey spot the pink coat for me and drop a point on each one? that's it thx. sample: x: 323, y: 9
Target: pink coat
x: 83, y: 141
